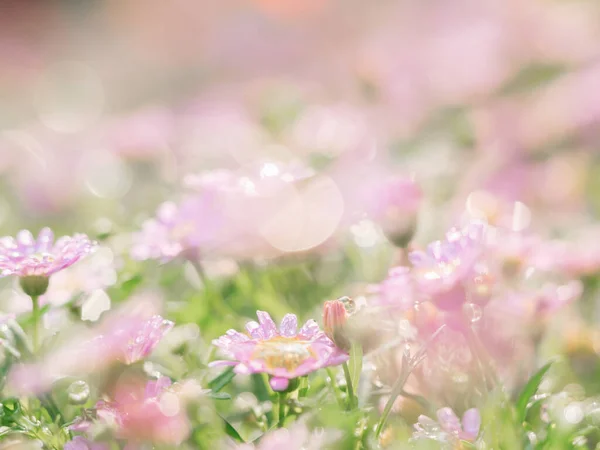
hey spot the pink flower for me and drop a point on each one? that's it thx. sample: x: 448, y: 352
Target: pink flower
x: 335, y: 317
x: 285, y: 353
x: 144, y: 339
x: 395, y: 205
x: 445, y: 271
x: 140, y: 411
x: 159, y: 237
x: 448, y: 428
x: 26, y: 256
x: 397, y: 291
x: 125, y: 338
x: 297, y: 437
x: 81, y: 443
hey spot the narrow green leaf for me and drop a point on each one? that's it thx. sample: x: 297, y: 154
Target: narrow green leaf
x: 303, y: 387
x: 219, y: 395
x: 222, y: 380
x: 232, y: 432
x: 355, y: 364
x: 529, y: 391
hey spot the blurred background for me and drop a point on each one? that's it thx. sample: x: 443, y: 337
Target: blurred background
x: 490, y: 107
x: 112, y: 112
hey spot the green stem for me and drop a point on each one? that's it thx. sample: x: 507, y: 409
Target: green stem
x: 334, y: 387
x: 420, y: 400
x: 396, y: 391
x: 281, y: 418
x: 481, y: 355
x: 35, y: 316
x: 349, y: 386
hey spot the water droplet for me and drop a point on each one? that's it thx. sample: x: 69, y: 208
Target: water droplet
x: 472, y: 312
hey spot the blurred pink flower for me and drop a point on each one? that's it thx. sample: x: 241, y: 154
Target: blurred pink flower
x: 142, y: 341
x: 296, y: 437
x: 575, y: 258
x: 223, y: 213
x: 27, y: 256
x: 140, y: 411
x: 125, y: 337
x: 544, y: 301
x: 142, y: 134
x: 449, y: 428
x: 397, y: 291
x: 395, y: 205
x: 285, y: 353
x: 446, y: 269
x: 149, y: 411
x: 159, y: 238
x: 81, y: 443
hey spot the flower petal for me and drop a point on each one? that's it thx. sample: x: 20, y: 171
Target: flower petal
x: 471, y: 422
x: 279, y: 383
x: 448, y: 420
x: 309, y: 330
x: 289, y: 325
x: 25, y: 239
x: 268, y: 326
x: 254, y: 330
x: 45, y: 240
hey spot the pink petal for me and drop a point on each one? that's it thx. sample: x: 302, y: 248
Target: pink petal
x: 471, y: 422
x: 309, y: 329
x: 267, y: 324
x: 222, y: 362
x: 289, y: 325
x: 279, y: 383
x: 254, y: 330
x: 448, y: 420
x: 45, y: 240
x: 25, y: 239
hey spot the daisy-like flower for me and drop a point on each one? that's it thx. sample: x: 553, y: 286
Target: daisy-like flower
x: 126, y: 339
x: 448, y: 268
x: 34, y: 260
x: 140, y: 411
x: 145, y: 338
x: 448, y: 428
x: 283, y: 353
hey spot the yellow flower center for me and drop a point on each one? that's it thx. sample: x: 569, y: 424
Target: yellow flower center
x: 284, y: 352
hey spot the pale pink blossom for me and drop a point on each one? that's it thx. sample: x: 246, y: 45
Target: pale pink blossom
x: 284, y: 353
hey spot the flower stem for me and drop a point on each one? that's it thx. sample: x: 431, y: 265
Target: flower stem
x: 35, y: 315
x: 480, y: 353
x: 408, y: 365
x: 334, y: 387
x: 349, y: 386
x: 281, y: 418
x: 396, y: 391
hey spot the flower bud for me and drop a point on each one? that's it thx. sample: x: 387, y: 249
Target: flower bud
x: 79, y: 392
x: 34, y: 285
x: 398, y: 204
x: 335, y: 317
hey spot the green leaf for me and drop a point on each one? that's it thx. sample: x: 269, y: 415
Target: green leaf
x: 232, y: 432
x: 530, y: 77
x: 529, y: 391
x: 355, y: 364
x: 304, y: 386
x: 130, y: 284
x: 222, y: 380
x: 219, y: 395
